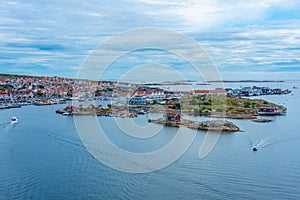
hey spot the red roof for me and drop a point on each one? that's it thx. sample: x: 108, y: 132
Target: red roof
x: 172, y: 106
x: 140, y: 93
x: 3, y: 93
x: 124, y: 94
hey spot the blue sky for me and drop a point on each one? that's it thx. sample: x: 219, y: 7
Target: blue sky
x: 245, y: 39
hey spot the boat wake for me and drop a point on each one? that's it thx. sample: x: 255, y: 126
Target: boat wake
x: 5, y: 129
x: 5, y: 125
x: 261, y: 144
x: 59, y: 138
x: 270, y: 142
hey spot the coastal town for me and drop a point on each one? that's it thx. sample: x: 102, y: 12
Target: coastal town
x: 131, y: 100
x: 25, y: 90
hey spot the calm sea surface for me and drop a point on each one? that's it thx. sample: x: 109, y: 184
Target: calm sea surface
x: 42, y: 157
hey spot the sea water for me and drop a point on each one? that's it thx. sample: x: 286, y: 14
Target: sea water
x: 42, y: 157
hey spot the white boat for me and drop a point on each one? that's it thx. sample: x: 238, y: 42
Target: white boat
x: 14, y: 120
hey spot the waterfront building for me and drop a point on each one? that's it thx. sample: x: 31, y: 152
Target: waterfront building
x: 138, y: 100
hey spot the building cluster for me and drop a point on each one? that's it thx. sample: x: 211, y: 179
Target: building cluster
x: 18, y: 90
x: 46, y: 90
x: 148, y: 95
x: 30, y: 89
x: 255, y: 91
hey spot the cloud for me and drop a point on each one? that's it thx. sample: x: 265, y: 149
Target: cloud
x: 259, y: 48
x: 199, y: 15
x: 55, y: 37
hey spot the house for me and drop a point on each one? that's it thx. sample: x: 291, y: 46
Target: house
x: 266, y: 90
x: 277, y: 91
x: 173, y: 114
x: 124, y: 97
x: 4, y: 95
x: 138, y: 100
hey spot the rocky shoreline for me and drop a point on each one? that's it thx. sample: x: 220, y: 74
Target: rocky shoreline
x: 262, y: 120
x: 211, y: 125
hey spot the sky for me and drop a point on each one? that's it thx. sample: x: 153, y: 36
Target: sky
x: 245, y: 39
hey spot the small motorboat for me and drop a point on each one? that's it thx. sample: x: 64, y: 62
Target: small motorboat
x: 14, y: 120
x: 254, y: 149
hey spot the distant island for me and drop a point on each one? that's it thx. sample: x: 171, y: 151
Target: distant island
x: 190, y: 82
x: 247, y: 81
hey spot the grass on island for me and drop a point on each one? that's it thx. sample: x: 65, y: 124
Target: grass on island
x: 220, y: 106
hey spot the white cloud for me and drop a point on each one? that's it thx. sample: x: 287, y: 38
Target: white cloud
x: 209, y: 13
x: 237, y: 34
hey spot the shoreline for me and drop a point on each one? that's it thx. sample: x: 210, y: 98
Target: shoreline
x: 208, y: 125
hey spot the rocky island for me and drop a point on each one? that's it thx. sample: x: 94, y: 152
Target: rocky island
x: 214, y: 104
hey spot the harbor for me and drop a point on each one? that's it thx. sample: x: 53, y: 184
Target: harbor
x: 39, y: 135
x: 127, y: 100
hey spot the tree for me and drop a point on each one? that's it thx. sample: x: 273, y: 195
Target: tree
x: 178, y: 105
